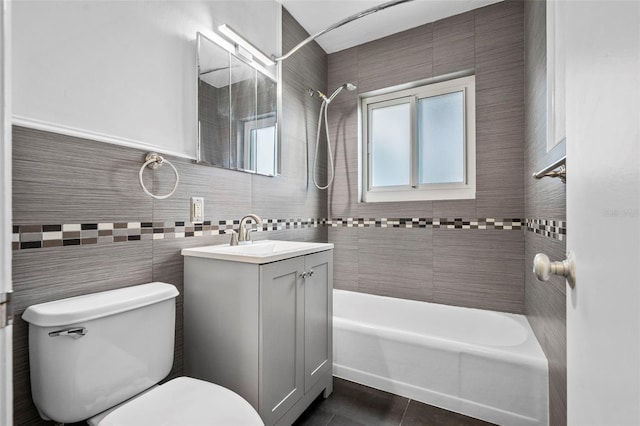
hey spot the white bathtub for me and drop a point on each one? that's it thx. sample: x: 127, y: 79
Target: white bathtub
x: 483, y: 364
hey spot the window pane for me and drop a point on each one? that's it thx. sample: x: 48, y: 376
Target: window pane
x: 441, y: 138
x: 263, y: 150
x: 391, y: 145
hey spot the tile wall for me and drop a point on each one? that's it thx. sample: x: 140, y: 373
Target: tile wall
x: 60, y: 180
x: 544, y: 200
x: 481, y: 268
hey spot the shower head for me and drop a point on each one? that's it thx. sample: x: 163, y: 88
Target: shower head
x: 349, y: 86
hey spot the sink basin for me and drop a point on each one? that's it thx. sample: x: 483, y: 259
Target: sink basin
x: 264, y: 251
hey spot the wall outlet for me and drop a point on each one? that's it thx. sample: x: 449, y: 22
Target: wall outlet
x: 197, y: 209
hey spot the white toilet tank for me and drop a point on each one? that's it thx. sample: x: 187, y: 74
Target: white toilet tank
x: 89, y: 353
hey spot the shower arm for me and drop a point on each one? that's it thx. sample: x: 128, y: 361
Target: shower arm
x: 339, y: 24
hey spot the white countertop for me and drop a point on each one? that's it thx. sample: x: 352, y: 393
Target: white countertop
x: 264, y: 251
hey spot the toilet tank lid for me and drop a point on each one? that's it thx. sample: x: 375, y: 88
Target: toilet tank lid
x: 97, y: 305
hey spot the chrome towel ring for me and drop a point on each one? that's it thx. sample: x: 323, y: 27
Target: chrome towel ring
x: 153, y: 161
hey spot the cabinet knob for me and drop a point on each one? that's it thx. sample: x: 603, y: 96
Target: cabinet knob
x: 311, y: 273
x: 303, y: 274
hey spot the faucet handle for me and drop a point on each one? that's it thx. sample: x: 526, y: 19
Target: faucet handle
x: 248, y: 234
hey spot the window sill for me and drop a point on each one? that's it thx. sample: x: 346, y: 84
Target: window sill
x: 413, y: 195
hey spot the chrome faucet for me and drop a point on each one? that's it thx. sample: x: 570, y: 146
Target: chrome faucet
x: 244, y: 235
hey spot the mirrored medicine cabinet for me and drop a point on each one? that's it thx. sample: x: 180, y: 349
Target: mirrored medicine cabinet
x: 237, y: 111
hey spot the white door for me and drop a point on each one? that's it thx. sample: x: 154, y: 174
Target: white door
x: 6, y: 371
x: 603, y: 211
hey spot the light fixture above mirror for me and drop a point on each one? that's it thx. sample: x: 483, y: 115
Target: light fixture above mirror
x: 242, y: 43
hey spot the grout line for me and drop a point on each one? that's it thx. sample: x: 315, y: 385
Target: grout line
x: 333, y: 416
x: 404, y: 412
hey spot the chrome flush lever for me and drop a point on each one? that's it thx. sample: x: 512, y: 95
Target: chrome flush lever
x: 75, y: 332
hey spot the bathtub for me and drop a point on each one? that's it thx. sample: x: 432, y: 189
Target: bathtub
x: 483, y: 364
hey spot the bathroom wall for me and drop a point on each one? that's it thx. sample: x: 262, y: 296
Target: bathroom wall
x: 461, y: 252
x: 545, y: 304
x: 82, y: 223
x: 123, y: 70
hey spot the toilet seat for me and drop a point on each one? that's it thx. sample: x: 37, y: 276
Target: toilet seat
x: 184, y: 402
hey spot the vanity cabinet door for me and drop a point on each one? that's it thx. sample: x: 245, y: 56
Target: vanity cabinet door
x: 318, y: 291
x: 281, y: 337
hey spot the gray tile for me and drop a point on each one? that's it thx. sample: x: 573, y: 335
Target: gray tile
x: 292, y: 194
x: 557, y: 400
x: 338, y: 420
x: 306, y: 69
x: 281, y: 197
x: 399, y: 58
x: 546, y: 310
x: 497, y: 27
x: 318, y: 235
x: 352, y: 403
x: 345, y: 257
x: 545, y: 304
x: 343, y: 67
x: 227, y: 193
x: 31, y: 236
x: 396, y: 262
x: 454, y: 44
x: 99, y: 185
x: 500, y: 203
x: 479, y: 269
x: 49, y: 274
x: 343, y: 123
x: 500, y: 110
x: 314, y: 416
x: 418, y: 414
x: 455, y: 209
x: 388, y: 210
x: 25, y: 412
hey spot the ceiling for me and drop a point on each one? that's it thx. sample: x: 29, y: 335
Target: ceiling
x: 316, y: 15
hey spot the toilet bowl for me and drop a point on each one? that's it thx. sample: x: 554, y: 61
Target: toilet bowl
x: 100, y: 357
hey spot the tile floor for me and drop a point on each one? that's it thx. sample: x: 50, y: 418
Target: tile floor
x: 352, y: 404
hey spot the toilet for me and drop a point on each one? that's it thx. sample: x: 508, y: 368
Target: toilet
x: 100, y: 357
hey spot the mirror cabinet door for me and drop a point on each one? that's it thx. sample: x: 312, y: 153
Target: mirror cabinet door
x: 237, y: 112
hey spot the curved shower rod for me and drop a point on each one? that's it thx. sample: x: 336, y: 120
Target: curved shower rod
x: 339, y: 24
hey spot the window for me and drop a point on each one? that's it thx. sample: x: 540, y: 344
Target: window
x: 419, y: 143
x: 259, y: 146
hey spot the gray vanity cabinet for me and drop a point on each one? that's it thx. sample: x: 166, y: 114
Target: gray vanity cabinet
x: 318, y: 310
x: 262, y: 330
x: 281, y: 337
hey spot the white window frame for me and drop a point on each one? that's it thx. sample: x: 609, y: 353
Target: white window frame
x: 250, y: 124
x: 417, y: 192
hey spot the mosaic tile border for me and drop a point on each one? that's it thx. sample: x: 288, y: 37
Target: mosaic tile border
x: 427, y: 222
x: 44, y: 236
x: 556, y: 229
